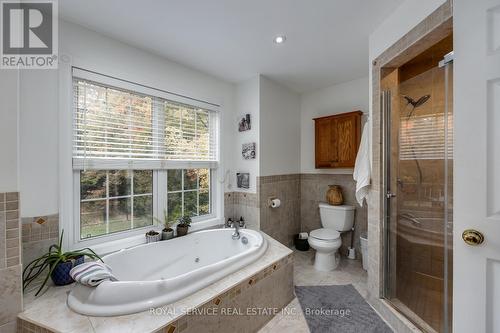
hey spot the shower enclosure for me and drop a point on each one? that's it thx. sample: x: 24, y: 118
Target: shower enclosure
x: 418, y: 153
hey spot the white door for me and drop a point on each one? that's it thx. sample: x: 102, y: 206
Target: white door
x: 476, y: 279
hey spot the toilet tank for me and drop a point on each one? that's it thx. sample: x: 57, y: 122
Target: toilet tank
x: 340, y: 218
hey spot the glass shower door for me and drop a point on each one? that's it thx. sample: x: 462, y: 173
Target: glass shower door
x: 418, y: 121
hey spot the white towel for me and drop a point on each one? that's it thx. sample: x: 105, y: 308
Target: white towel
x: 92, y: 273
x: 362, y: 170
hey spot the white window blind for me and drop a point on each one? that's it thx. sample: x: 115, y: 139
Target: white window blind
x: 423, y: 137
x: 120, y: 128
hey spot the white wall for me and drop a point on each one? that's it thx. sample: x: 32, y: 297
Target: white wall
x: 279, y: 129
x: 92, y: 51
x: 275, y: 117
x: 339, y: 98
x: 38, y: 142
x: 8, y: 130
x: 401, y: 21
x: 247, y: 100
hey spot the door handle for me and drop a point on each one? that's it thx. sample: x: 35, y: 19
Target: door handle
x: 472, y: 237
x: 390, y: 195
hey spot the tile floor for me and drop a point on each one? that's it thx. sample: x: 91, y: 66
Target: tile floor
x: 292, y: 320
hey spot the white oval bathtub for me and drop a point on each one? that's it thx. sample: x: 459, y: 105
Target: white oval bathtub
x: 156, y: 274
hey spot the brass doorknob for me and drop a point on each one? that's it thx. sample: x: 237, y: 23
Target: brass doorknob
x: 472, y: 237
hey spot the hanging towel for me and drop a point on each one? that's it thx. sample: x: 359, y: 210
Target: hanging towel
x: 92, y: 273
x: 362, y: 170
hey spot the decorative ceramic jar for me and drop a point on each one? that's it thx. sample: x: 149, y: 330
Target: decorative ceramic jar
x: 334, y: 195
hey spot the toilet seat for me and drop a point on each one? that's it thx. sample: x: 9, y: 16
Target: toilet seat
x: 325, y: 234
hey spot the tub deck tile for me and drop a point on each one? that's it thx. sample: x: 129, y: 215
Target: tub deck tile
x: 50, y: 311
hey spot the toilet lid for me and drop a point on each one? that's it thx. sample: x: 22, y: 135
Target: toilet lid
x: 325, y: 234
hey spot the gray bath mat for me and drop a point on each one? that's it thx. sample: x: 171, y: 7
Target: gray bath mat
x: 339, y: 309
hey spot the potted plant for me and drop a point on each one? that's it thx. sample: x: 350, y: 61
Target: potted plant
x: 153, y: 236
x: 56, y: 264
x: 167, y: 232
x: 183, y: 225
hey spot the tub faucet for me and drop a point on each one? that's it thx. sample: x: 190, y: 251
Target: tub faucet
x: 236, y: 233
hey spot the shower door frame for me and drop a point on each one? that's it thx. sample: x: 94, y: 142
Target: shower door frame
x: 390, y: 194
x: 385, y: 107
x: 430, y: 30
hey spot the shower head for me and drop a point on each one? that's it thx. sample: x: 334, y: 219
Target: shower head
x: 417, y: 103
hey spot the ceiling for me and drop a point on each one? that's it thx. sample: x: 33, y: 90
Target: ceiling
x: 327, y: 40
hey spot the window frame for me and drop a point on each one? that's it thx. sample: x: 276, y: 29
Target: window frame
x: 107, y: 199
x: 70, y: 176
x: 159, y: 198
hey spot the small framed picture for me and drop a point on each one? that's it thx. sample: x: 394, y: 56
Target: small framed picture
x: 248, y: 151
x: 243, y: 180
x: 244, y: 123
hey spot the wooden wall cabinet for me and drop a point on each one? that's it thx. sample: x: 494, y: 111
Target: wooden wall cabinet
x: 337, y: 140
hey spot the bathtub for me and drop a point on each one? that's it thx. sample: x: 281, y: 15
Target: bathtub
x: 156, y: 274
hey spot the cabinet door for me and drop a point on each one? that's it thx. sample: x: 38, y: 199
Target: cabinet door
x: 326, y: 146
x: 347, y: 132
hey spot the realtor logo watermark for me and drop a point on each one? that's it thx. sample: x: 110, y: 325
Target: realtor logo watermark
x: 29, y: 34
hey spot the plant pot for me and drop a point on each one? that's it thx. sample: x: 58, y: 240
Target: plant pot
x: 153, y: 238
x: 182, y: 231
x: 60, y: 275
x: 334, y: 195
x: 167, y: 234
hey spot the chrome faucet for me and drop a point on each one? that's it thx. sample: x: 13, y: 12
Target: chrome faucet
x: 236, y: 233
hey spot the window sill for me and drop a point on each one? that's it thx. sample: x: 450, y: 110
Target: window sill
x: 107, y: 247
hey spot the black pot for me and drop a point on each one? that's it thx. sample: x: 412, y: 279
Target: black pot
x: 301, y: 244
x: 182, y: 230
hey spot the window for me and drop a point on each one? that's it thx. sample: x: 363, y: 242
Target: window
x: 115, y: 200
x: 188, y: 193
x: 137, y: 153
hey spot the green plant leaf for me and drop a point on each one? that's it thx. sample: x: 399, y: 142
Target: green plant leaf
x: 34, y: 263
x: 50, y: 260
x: 47, y: 277
x: 33, y: 276
x: 60, y: 240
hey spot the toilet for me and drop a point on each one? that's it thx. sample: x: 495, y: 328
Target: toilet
x: 326, y: 241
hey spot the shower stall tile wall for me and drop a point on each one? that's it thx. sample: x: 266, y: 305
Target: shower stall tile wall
x: 434, y: 28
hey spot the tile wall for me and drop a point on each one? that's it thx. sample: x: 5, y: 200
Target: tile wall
x: 38, y: 233
x: 281, y: 223
x: 431, y: 30
x: 10, y: 262
x: 313, y: 188
x: 300, y: 195
x: 272, y: 288
x: 242, y: 204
